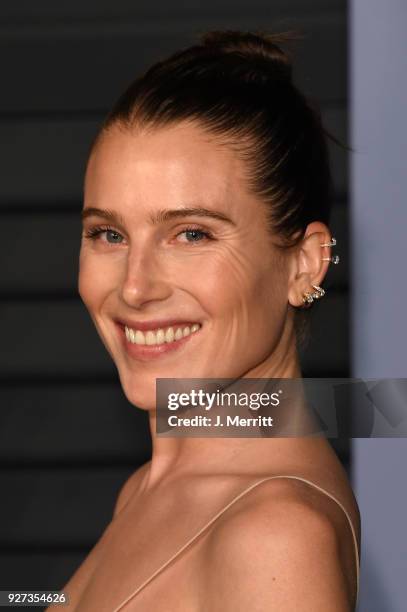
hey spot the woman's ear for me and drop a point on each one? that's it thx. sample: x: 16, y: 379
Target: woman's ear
x: 306, y: 266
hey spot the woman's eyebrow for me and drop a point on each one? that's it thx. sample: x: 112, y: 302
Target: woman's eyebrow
x: 173, y: 213
x: 105, y: 213
x: 160, y: 216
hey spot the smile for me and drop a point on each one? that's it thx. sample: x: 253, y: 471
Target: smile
x: 154, y: 337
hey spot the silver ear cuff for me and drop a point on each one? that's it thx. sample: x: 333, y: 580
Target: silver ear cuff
x: 309, y: 297
x: 335, y: 258
x: 332, y: 242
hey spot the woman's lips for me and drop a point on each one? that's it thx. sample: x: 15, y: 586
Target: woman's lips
x: 146, y: 352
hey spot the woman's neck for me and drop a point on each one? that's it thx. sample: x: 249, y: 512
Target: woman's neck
x: 175, y: 457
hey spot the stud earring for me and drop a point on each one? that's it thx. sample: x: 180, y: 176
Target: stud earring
x: 334, y: 259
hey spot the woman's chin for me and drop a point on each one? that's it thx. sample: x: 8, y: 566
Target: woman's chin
x: 143, y: 400
x: 141, y: 395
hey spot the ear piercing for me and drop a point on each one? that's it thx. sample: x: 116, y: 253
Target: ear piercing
x: 332, y: 242
x: 334, y: 259
x: 309, y: 297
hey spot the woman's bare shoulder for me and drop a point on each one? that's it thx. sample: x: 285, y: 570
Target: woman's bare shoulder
x: 282, y: 539
x: 277, y: 501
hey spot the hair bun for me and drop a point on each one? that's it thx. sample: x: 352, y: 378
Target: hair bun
x: 254, y: 44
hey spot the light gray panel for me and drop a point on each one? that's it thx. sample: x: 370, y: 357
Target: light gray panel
x: 379, y: 330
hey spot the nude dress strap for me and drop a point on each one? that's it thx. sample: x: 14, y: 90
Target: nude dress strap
x: 234, y: 500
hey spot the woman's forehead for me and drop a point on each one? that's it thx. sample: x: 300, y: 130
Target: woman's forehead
x: 172, y: 148
x: 176, y: 164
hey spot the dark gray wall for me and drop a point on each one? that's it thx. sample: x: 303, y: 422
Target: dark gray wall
x: 68, y: 437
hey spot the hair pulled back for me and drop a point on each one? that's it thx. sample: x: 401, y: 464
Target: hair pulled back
x: 239, y: 86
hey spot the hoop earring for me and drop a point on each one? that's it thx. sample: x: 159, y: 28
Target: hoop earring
x: 332, y: 242
x: 335, y: 258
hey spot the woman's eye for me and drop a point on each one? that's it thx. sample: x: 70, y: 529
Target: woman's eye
x: 115, y: 236
x: 112, y: 237
x: 194, y: 235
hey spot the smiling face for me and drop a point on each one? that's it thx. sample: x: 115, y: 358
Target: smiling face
x: 218, y: 269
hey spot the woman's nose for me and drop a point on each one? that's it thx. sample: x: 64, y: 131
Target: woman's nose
x: 145, y: 279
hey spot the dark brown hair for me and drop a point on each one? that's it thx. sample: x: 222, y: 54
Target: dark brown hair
x: 239, y: 86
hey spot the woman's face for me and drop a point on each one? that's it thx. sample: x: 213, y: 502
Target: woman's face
x: 150, y: 263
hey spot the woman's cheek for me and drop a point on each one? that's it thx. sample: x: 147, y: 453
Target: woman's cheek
x: 92, y: 280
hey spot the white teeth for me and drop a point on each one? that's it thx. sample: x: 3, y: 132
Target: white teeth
x: 139, y: 338
x: 159, y: 336
x: 178, y: 334
x: 169, y: 335
x: 151, y: 338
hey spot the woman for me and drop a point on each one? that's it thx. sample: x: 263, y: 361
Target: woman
x: 206, y: 210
